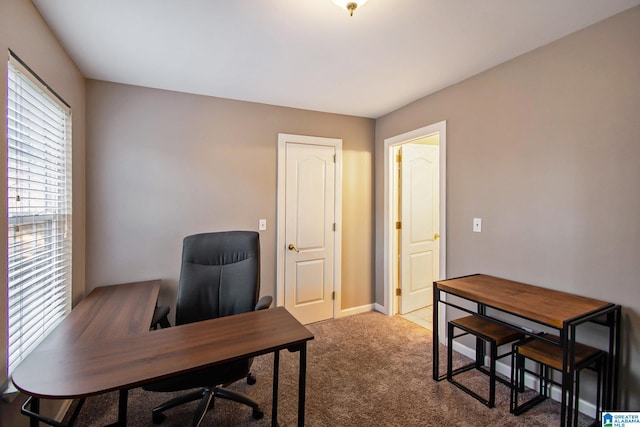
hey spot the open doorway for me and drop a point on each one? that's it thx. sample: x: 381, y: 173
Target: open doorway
x: 415, y: 238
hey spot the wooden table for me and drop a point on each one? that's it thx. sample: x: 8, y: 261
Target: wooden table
x: 557, y: 310
x: 88, y: 354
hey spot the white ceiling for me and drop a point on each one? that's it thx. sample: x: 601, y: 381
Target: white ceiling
x: 309, y: 53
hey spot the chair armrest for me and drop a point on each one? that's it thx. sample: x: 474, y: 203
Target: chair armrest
x: 264, y: 302
x: 160, y: 317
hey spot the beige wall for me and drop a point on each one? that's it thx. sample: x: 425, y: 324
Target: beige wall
x: 162, y: 165
x: 24, y: 32
x: 546, y: 150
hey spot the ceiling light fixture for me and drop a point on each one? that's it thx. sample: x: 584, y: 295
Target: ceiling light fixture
x: 349, y: 5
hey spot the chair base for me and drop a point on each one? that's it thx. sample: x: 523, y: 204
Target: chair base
x: 207, y: 397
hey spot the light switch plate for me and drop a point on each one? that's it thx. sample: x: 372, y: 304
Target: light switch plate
x: 477, y: 225
x: 262, y: 225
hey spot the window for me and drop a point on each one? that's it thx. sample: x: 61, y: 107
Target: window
x: 39, y: 210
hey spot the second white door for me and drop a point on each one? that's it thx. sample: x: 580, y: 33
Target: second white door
x: 419, y: 213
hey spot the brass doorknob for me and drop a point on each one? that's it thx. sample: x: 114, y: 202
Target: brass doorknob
x: 436, y: 236
x: 292, y: 247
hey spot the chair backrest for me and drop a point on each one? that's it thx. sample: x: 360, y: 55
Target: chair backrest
x: 220, y: 275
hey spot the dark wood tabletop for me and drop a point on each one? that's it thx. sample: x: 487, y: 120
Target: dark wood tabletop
x: 93, y: 367
x: 107, y: 312
x: 543, y: 305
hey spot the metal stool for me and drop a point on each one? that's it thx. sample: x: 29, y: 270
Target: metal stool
x: 548, y: 356
x: 485, y: 331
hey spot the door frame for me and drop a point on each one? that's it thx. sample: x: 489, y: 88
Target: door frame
x: 390, y: 304
x: 336, y: 143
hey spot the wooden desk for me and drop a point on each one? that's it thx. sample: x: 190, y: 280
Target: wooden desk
x: 554, y: 309
x: 121, y: 361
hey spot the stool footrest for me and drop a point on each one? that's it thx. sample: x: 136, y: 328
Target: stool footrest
x: 472, y: 393
x: 529, y: 404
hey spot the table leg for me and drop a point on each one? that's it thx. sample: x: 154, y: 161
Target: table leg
x: 609, y: 369
x: 572, y: 385
x: 564, y: 341
x: 302, y: 377
x: 481, y: 345
x: 568, y: 342
x: 435, y: 326
x: 274, y: 398
x: 613, y: 360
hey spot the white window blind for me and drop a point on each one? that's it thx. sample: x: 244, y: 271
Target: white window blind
x: 39, y: 211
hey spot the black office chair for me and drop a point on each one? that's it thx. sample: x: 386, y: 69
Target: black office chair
x: 220, y: 276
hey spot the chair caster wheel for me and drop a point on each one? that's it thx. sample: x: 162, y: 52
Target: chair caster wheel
x: 251, y: 379
x: 158, y: 417
x: 257, y: 414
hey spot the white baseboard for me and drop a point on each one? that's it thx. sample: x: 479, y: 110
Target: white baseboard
x: 62, y: 411
x: 380, y: 308
x: 586, y: 407
x: 355, y: 310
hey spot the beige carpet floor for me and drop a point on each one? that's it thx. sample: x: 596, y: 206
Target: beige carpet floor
x: 363, y: 370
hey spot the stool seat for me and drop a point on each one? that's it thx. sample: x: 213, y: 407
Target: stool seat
x: 486, y: 331
x: 548, y: 354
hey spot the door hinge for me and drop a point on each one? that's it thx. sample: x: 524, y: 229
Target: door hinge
x: 398, y: 225
x: 335, y: 156
x: 399, y: 157
x: 333, y: 295
x: 398, y: 292
x: 334, y: 226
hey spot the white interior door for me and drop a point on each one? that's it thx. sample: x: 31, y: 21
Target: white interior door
x: 309, y: 261
x: 419, y: 213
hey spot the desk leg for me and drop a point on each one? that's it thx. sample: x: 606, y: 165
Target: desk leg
x: 122, y: 409
x: 31, y: 408
x: 435, y: 326
x: 274, y: 398
x: 302, y: 378
x: 35, y: 407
